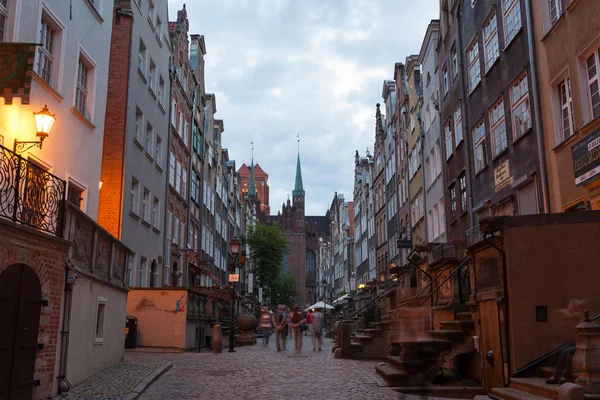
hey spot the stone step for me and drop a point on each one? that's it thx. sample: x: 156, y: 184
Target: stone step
x: 457, y: 325
x: 386, y: 318
x: 363, y: 339
x: 373, y: 332
x: 392, y: 375
x: 446, y: 334
x: 425, y: 342
x: 513, y: 394
x: 535, y: 386
x: 547, y: 372
x: 464, y: 316
x: 356, y: 347
x: 482, y: 397
x: 382, y: 325
x: 406, y: 366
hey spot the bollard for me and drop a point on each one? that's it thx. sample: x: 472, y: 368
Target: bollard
x: 217, y: 343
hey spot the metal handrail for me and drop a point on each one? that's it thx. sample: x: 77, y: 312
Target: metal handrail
x: 586, y: 315
x: 461, y: 265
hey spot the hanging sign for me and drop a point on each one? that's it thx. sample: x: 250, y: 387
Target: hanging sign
x: 16, y: 69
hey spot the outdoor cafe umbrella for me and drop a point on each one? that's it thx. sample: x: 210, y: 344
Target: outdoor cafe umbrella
x: 320, y: 304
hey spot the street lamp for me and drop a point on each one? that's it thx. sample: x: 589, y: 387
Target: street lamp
x: 324, y: 283
x: 235, y: 249
x: 43, y: 122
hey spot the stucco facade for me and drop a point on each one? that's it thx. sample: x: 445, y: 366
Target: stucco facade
x: 565, y: 41
x: 81, y: 43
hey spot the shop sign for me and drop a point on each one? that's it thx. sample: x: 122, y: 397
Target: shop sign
x: 586, y: 159
x: 594, y: 192
x: 502, y: 176
x: 234, y: 278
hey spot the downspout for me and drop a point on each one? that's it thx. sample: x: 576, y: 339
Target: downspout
x: 63, y: 384
x: 537, y: 109
x: 422, y: 146
x: 466, y: 135
x: 167, y: 245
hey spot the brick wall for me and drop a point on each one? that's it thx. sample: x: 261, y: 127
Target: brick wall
x: 47, y: 256
x: 113, y: 156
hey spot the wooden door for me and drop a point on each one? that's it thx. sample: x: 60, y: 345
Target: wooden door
x: 491, y: 348
x: 20, y: 304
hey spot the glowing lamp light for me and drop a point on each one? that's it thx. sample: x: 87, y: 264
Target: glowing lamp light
x: 44, y: 120
x: 361, y: 286
x: 235, y: 246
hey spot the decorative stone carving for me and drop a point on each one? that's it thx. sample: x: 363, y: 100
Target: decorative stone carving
x: 83, y: 242
x: 118, y: 263
x: 488, y: 271
x: 103, y: 252
x: 587, y: 356
x: 246, y: 323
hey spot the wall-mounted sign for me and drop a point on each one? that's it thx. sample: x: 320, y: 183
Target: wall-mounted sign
x: 404, y: 244
x: 502, y: 176
x: 586, y: 159
x: 234, y: 278
x: 594, y: 192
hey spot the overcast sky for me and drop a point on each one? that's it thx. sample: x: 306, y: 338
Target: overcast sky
x: 313, y: 67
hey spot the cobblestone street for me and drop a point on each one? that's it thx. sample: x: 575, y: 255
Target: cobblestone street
x: 262, y: 373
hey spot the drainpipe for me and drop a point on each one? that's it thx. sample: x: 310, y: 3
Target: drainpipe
x: 63, y: 384
x: 422, y: 145
x: 537, y: 108
x: 463, y: 87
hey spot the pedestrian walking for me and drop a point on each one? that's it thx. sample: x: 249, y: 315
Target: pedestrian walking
x: 297, y: 320
x: 317, y: 329
x: 265, y: 325
x: 308, y: 321
x: 281, y: 326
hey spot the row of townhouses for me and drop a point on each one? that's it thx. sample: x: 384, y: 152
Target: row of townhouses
x: 119, y: 199
x: 497, y: 115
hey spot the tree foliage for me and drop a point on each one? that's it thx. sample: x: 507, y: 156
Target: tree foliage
x: 286, y: 290
x: 267, y: 249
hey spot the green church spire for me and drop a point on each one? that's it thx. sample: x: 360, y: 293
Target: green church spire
x: 298, y: 188
x: 252, y: 187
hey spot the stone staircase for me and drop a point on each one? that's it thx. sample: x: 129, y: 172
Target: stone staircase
x: 418, y: 361
x: 372, y: 342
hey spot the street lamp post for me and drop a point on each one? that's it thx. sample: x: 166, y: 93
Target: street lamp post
x: 324, y: 282
x: 235, y: 249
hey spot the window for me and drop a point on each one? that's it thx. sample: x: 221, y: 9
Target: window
x: 173, y: 112
x: 158, y: 28
x: 181, y: 232
x: 178, y: 178
x: 142, y: 58
x: 100, y: 313
x: 185, y: 132
x: 158, y: 151
x: 148, y: 138
x: 130, y: 269
x: 511, y: 10
x: 169, y: 227
x: 453, y: 200
x: 139, y: 120
x: 520, y: 106
x: 436, y: 165
x: 454, y: 56
x: 462, y: 185
x: 161, y: 90
x: 458, y: 129
x: 479, y: 146
x: 180, y: 124
x: 171, y: 169
x: 143, y: 268
x: 46, y: 52
x: 81, y: 92
x: 184, y: 183
x: 490, y: 40
x: 474, y: 68
x: 593, y: 64
x: 566, y: 106
x: 3, y: 18
x: 448, y: 133
x: 555, y: 10
x: 152, y: 75
x: 498, y: 128
x: 176, y: 230
x: 445, y: 79
x: 156, y: 213
x: 151, y: 12
x: 146, y: 205
x: 442, y: 216
x: 75, y: 194
x: 135, y: 187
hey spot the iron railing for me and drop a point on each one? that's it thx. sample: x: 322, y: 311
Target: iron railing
x: 473, y: 236
x: 30, y: 195
x: 464, y: 284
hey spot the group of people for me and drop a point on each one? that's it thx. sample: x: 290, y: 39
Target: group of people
x: 286, y: 323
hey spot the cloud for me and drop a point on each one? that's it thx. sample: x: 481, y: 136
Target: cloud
x: 282, y: 67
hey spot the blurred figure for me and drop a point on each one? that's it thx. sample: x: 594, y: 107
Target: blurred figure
x: 297, y: 320
x: 288, y: 313
x: 265, y: 325
x: 281, y: 325
x: 317, y: 329
x: 573, y: 314
x: 308, y: 322
x: 410, y: 325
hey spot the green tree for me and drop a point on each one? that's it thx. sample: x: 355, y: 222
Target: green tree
x: 267, y: 249
x: 286, y: 290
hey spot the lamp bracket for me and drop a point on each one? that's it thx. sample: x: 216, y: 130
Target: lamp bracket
x: 21, y: 147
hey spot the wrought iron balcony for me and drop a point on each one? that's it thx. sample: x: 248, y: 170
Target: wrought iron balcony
x: 30, y: 195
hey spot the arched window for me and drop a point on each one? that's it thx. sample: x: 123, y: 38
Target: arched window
x: 311, y: 268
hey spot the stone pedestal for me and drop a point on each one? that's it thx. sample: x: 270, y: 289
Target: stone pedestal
x: 217, y: 342
x: 345, y: 338
x: 587, y: 357
x: 246, y: 323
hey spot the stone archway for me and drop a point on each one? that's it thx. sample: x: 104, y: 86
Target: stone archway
x: 20, y: 306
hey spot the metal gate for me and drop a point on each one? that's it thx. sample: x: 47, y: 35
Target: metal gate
x: 20, y: 305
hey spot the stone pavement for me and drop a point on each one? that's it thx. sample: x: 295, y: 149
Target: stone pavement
x: 116, y: 382
x: 262, y: 373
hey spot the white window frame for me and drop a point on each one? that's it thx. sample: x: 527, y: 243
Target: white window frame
x: 448, y: 139
x: 139, y: 124
x: 593, y: 82
x: 178, y: 177
x: 479, y: 145
x: 497, y: 125
x: 169, y: 227
x: 142, y: 51
x: 511, y: 10
x: 152, y: 74
x: 173, y: 113
x: 445, y: 79
x: 146, y: 205
x: 462, y: 190
x: 158, y: 151
x: 172, y: 167
x: 156, y: 212
x: 520, y: 88
x: 184, y: 182
x: 135, y: 189
x: 54, y: 76
x: 454, y: 57
x: 458, y: 128
x: 566, y: 109
x: 555, y: 9
x: 474, y: 65
x: 160, y: 90
x: 143, y: 269
x: 491, y: 46
x: 101, y: 312
x: 148, y: 135
x: 453, y: 201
